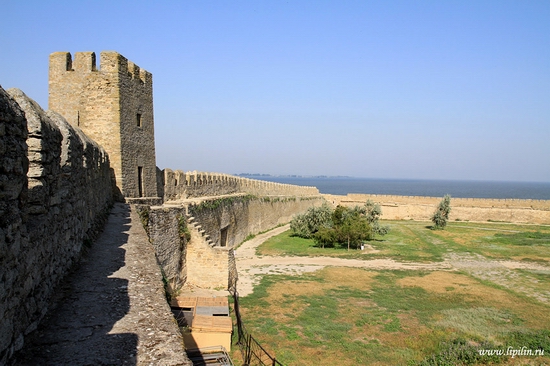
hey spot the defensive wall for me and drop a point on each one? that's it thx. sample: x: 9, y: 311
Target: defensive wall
x: 462, y: 209
x: 58, y: 179
x: 217, y: 211
x: 179, y: 185
x: 207, y: 230
x: 55, y: 192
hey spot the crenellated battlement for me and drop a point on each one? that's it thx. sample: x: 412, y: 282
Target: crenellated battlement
x: 110, y: 62
x: 180, y: 185
x: 61, y: 61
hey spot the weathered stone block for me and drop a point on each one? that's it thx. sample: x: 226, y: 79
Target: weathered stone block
x: 6, y: 331
x: 36, y: 171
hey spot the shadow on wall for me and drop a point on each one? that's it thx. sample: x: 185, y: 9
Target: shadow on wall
x: 117, y: 194
x: 87, y: 305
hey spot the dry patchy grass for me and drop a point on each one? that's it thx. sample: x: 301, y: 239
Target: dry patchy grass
x: 350, y: 316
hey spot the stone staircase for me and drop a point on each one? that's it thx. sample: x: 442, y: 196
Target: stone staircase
x: 192, y: 223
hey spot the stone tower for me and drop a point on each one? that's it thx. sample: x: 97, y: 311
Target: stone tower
x: 113, y: 105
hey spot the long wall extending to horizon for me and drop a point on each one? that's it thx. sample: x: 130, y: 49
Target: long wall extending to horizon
x: 462, y: 209
x: 179, y: 185
x: 220, y: 211
x: 58, y: 179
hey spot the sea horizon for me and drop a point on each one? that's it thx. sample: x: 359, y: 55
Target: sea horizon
x: 342, y: 185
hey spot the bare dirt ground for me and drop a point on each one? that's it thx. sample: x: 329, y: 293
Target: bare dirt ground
x: 252, y: 267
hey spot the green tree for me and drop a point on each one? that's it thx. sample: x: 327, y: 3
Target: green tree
x: 441, y: 214
x: 353, y: 230
x: 350, y: 226
x: 308, y: 223
x: 373, y: 211
x: 325, y: 236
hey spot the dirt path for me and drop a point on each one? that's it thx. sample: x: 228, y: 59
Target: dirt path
x: 252, y: 267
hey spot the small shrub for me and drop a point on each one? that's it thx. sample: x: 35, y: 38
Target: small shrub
x: 143, y: 212
x: 461, y: 352
x: 183, y: 230
x: 441, y: 214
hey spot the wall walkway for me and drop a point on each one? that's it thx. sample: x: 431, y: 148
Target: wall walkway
x: 112, y: 309
x: 55, y: 193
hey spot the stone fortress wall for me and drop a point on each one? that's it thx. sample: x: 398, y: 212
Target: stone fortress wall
x: 55, y: 192
x: 57, y: 178
x: 220, y: 211
x: 179, y: 185
x: 216, y: 226
x: 462, y: 209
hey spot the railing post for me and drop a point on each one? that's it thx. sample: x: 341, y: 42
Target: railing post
x: 249, y: 349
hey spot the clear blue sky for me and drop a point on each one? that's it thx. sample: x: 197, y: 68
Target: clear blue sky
x: 380, y: 89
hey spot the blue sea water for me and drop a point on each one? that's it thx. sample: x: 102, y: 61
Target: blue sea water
x: 417, y: 187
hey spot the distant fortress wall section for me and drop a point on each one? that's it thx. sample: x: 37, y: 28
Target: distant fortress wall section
x: 462, y: 209
x: 179, y: 185
x: 113, y: 105
x: 55, y: 192
x: 216, y: 226
x: 227, y: 222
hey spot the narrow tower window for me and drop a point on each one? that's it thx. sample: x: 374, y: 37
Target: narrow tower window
x: 140, y: 181
x: 138, y: 119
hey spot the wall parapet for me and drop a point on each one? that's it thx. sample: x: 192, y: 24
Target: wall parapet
x: 179, y: 185
x: 55, y: 195
x: 110, y: 62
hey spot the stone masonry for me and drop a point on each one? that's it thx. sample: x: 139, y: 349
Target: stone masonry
x: 178, y: 185
x: 111, y: 310
x: 113, y: 105
x: 55, y: 192
x: 58, y: 176
x: 58, y: 172
x: 216, y: 225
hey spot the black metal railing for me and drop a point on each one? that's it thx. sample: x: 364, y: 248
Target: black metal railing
x: 251, y: 350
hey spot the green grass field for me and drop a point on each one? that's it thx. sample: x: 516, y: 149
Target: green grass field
x: 414, y: 241
x: 352, y: 316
